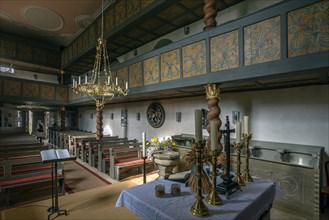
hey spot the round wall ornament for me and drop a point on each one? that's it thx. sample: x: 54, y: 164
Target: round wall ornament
x: 155, y: 115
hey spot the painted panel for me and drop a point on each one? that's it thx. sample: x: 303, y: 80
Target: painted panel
x: 262, y: 41
x: 120, y: 12
x: 12, y: 88
x: 39, y: 55
x: 308, y: 30
x: 85, y: 39
x: 7, y: 49
x: 224, y: 51
x: 92, y: 34
x: 70, y: 52
x: 194, y: 59
x: 24, y: 52
x: 151, y: 71
x: 135, y: 75
x: 122, y: 75
x: 133, y: 7
x: 109, y: 21
x: 53, y: 58
x: 75, y: 48
x: 30, y: 90
x: 61, y: 93
x: 170, y: 65
x: 47, y: 92
x: 145, y: 3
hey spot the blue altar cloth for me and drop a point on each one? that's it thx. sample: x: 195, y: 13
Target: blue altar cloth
x: 249, y: 204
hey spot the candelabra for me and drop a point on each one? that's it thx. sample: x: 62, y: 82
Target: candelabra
x: 101, y: 87
x: 238, y: 178
x: 246, y: 176
x: 213, y: 198
x: 199, y: 208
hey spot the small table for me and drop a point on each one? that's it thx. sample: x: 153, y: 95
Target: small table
x: 251, y: 203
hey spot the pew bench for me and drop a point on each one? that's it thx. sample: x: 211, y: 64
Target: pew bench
x: 24, y: 171
x: 125, y: 159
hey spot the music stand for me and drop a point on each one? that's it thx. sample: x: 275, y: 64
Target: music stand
x: 53, y: 156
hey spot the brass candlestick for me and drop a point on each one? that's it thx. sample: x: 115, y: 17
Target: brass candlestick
x: 246, y: 176
x: 199, y: 208
x: 238, y: 178
x: 213, y: 198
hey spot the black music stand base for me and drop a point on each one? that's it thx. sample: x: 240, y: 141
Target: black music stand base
x: 58, y: 211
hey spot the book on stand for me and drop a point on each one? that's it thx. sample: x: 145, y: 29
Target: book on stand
x: 55, y: 155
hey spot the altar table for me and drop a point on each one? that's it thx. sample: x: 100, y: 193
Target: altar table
x: 249, y: 204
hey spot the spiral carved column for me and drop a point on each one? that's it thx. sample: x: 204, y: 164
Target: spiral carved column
x: 210, y: 14
x: 99, y: 120
x: 62, y: 118
x: 213, y: 92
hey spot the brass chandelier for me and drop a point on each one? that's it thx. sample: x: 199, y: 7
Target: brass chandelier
x: 101, y: 87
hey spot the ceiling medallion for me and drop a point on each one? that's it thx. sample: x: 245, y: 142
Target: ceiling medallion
x: 51, y: 21
x: 155, y: 115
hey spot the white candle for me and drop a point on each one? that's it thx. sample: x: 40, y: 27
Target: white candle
x: 116, y: 81
x: 73, y: 83
x: 126, y: 85
x: 108, y: 80
x: 79, y: 80
x: 198, y: 125
x: 214, y: 135
x: 246, y: 124
x: 86, y: 79
x: 144, y: 147
x: 238, y: 132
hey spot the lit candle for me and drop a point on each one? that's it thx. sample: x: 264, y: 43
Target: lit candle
x: 116, y: 81
x: 198, y: 125
x: 214, y: 135
x: 79, y: 80
x: 86, y: 79
x: 144, y: 147
x: 246, y: 124
x: 238, y: 132
x: 126, y: 85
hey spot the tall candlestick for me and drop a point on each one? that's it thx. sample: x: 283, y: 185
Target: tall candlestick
x: 198, y: 125
x: 214, y: 135
x: 238, y: 132
x: 144, y: 147
x: 246, y: 124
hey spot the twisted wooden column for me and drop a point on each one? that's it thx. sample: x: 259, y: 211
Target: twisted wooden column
x: 99, y: 120
x: 213, y: 92
x: 210, y: 14
x: 62, y: 118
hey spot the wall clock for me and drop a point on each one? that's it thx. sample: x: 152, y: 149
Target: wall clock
x: 155, y: 115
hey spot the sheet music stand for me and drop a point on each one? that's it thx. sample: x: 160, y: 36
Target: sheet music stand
x: 53, y: 156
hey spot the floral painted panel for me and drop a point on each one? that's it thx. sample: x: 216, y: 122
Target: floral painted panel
x: 194, y: 59
x: 151, y: 71
x: 145, y: 3
x: 170, y: 68
x: 30, y: 90
x: 262, y: 41
x: 120, y: 12
x: 47, y: 92
x: 61, y: 93
x: 133, y: 7
x: 122, y: 75
x: 11, y: 88
x: 224, y: 51
x: 109, y: 21
x: 7, y: 49
x: 308, y: 29
x: 135, y: 75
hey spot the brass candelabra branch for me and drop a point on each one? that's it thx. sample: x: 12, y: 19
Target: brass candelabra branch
x: 238, y: 178
x: 246, y: 176
x: 213, y: 198
x: 199, y: 208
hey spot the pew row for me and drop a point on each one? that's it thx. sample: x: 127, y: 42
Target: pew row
x: 126, y: 159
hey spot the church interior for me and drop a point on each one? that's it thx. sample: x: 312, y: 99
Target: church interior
x: 164, y: 109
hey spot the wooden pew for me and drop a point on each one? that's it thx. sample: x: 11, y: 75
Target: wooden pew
x: 21, y: 171
x: 119, y: 160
